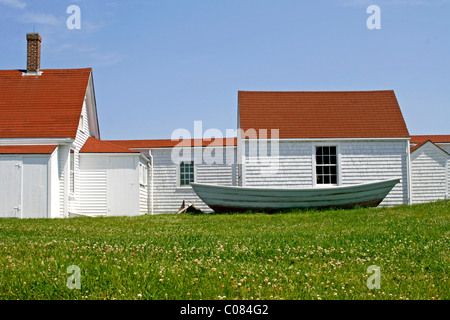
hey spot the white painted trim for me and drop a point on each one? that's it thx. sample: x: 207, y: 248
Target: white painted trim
x: 21, y: 188
x: 116, y: 154
x: 313, y: 164
x: 408, y: 173
x: 331, y: 139
x: 32, y: 73
x: 111, y: 154
x: 180, y: 147
x: 26, y: 154
x: 35, y: 141
x: 151, y: 174
x: 443, y: 152
x: 447, y: 180
x: 338, y: 163
x: 50, y: 179
x: 91, y: 108
x: 71, y: 194
x: 66, y: 185
x: 178, y: 175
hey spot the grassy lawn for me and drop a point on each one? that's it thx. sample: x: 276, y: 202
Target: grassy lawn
x: 297, y: 255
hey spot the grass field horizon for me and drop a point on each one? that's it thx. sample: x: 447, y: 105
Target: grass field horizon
x: 296, y: 255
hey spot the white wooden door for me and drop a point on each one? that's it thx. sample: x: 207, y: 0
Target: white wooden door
x: 10, y: 187
x: 123, y: 186
x: 34, y: 187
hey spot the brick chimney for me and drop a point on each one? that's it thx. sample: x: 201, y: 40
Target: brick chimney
x: 33, y: 53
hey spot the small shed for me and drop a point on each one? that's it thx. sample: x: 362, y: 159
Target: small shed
x: 114, y: 180
x: 430, y: 164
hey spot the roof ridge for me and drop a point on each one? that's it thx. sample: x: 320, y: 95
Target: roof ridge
x: 53, y: 69
x: 422, y: 143
x: 316, y: 91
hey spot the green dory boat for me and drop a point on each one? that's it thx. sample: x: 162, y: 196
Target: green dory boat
x: 239, y: 199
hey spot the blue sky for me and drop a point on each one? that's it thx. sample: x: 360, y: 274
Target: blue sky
x: 161, y: 65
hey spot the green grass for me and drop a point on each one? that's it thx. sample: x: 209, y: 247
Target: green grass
x: 296, y: 255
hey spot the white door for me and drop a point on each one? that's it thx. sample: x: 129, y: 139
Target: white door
x: 123, y: 186
x: 34, y: 187
x: 10, y: 187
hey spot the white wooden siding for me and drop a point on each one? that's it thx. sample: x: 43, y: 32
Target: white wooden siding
x: 358, y: 162
x: 430, y: 176
x: 83, y: 134
x: 63, y: 174
x: 54, y: 187
x: 144, y: 190
x: 93, y: 195
x: 168, y: 196
x: 110, y: 179
x: 367, y: 161
x: 215, y: 174
x: 444, y: 146
x: 83, y: 130
x: 143, y: 200
x: 291, y: 169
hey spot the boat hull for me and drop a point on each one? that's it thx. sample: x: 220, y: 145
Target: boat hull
x: 241, y: 199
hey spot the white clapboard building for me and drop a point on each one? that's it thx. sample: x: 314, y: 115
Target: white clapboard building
x: 53, y: 163
x: 430, y: 165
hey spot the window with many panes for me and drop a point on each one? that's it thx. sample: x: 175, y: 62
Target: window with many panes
x: 326, y: 165
x: 186, y: 173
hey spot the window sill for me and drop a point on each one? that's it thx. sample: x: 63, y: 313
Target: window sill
x: 184, y: 187
x: 325, y: 185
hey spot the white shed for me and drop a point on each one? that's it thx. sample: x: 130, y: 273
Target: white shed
x: 430, y: 165
x: 114, y: 181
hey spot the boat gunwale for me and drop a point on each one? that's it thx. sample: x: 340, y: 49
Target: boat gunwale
x: 375, y: 182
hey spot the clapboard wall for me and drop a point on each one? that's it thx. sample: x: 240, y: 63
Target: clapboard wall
x: 83, y: 133
x: 358, y: 162
x: 430, y: 174
x: 167, y: 193
x: 110, y: 185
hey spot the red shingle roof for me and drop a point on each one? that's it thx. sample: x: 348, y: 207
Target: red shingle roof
x: 167, y: 143
x: 47, y: 106
x: 328, y: 114
x: 32, y: 149
x: 433, y: 138
x: 94, y: 145
x: 418, y: 141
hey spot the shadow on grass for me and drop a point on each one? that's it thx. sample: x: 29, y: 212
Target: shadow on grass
x: 280, y: 211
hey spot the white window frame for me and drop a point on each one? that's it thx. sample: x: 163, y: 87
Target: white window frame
x: 179, y: 174
x: 338, y: 164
